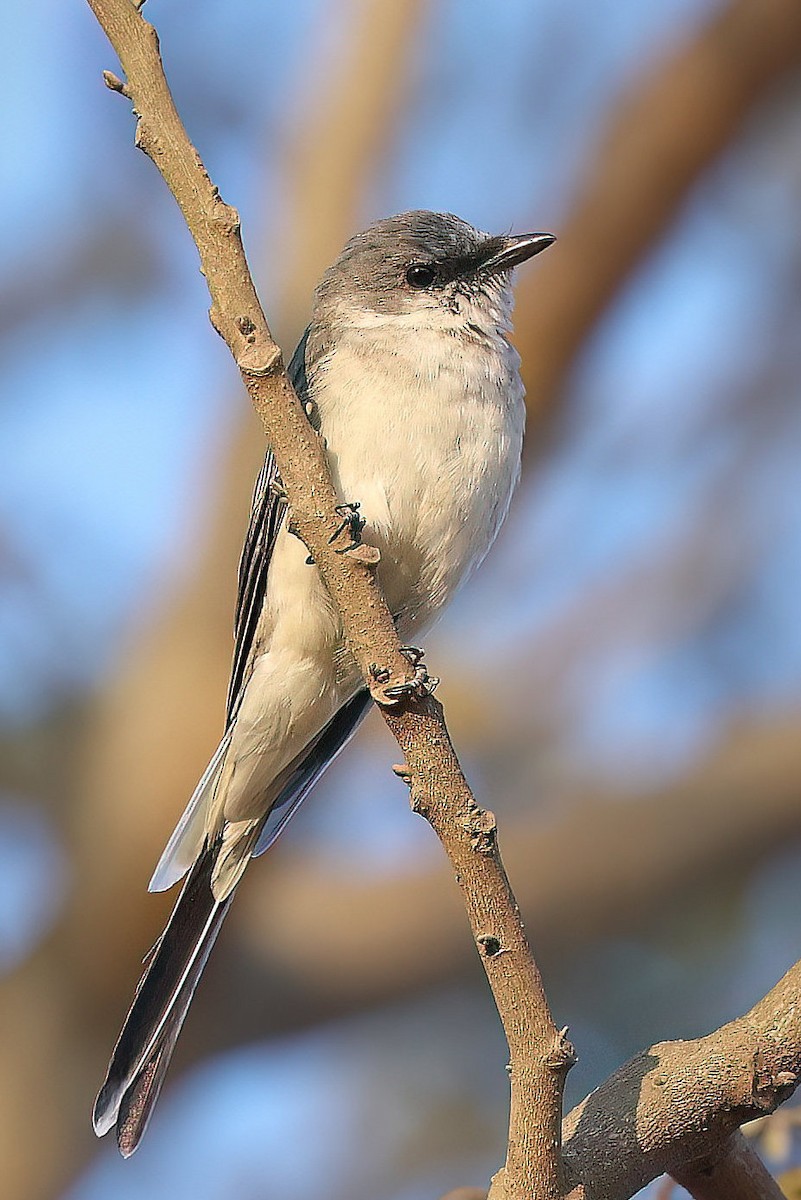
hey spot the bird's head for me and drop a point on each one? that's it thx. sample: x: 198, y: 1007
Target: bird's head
x: 425, y: 269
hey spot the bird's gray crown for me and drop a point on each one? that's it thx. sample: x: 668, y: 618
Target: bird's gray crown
x: 411, y: 260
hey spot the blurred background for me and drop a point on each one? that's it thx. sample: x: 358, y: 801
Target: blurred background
x: 622, y: 679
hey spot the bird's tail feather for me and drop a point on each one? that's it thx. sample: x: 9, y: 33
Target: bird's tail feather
x: 173, y: 967
x: 145, y: 1045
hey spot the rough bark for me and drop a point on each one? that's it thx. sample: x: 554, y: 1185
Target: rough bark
x: 674, y: 1108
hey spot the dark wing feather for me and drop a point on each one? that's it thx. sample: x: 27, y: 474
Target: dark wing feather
x: 174, y: 966
x: 267, y: 515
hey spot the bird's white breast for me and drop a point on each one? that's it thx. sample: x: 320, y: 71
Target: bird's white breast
x: 424, y: 427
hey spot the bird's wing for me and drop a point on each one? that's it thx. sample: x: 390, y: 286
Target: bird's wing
x: 303, y: 772
x: 267, y: 515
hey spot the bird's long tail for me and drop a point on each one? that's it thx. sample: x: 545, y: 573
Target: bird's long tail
x: 145, y: 1045
x: 175, y: 964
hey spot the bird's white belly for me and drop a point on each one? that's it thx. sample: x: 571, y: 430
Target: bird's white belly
x: 432, y: 458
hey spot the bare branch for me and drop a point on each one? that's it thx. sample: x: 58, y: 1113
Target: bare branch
x: 121, y: 755
x: 600, y: 866
x: 736, y: 1174
x: 680, y: 1103
x: 438, y: 786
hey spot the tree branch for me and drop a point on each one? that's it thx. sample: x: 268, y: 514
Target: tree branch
x: 439, y: 789
x: 674, y: 1108
x: 738, y: 1173
x: 629, y: 858
x: 118, y: 753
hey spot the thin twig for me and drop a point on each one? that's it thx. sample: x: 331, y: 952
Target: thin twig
x: 539, y: 1053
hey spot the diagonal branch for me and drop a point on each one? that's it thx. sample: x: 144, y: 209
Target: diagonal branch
x: 439, y: 789
x: 676, y: 1108
x: 738, y: 1173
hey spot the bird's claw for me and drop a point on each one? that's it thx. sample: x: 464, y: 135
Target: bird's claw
x: 418, y: 687
x: 353, y: 522
x: 350, y: 521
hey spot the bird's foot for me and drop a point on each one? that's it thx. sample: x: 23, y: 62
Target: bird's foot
x: 418, y: 687
x: 353, y: 522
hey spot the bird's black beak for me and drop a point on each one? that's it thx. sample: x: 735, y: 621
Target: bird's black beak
x: 512, y: 251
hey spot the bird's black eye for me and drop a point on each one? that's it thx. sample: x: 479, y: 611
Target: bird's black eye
x: 421, y: 275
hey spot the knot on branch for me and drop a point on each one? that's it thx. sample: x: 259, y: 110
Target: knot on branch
x: 402, y: 771
x: 147, y: 141
x: 417, y: 794
x: 224, y: 216
x: 418, y: 805
x: 247, y: 328
x: 115, y: 84
x: 562, y: 1055
x: 482, y: 830
x: 259, y: 359
x: 769, y: 1087
x: 490, y: 946
x: 418, y: 800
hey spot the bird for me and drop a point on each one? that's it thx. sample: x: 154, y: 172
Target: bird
x: 407, y: 373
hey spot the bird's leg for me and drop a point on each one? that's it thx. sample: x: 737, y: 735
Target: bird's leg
x: 420, y: 686
x: 350, y: 521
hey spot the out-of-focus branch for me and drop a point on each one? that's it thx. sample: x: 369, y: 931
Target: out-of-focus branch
x: 342, y: 124
x: 735, y: 1173
x: 539, y: 1055
x: 665, y: 130
x: 141, y: 757
x: 674, y: 1108
x: 352, y: 941
x: 677, y: 1107
x: 136, y: 757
